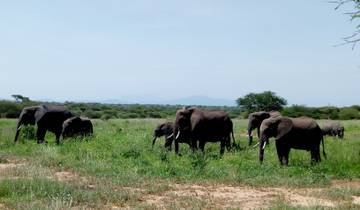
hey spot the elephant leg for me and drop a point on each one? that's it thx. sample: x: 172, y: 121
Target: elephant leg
x: 222, y: 146
x: 279, y: 151
x: 342, y: 134
x: 250, y: 140
x: 315, y: 155
x: 40, y: 134
x: 228, y: 143
x: 57, y: 136
x: 194, y: 145
x: 168, y: 144
x: 202, y: 146
x: 283, y: 153
x: 285, y: 159
x: 176, y: 147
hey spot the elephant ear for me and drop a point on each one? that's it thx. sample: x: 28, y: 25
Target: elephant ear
x: 39, y: 113
x: 285, y: 125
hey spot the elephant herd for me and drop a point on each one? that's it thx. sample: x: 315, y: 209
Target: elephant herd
x: 196, y: 127
x: 193, y: 125
x: 56, y: 119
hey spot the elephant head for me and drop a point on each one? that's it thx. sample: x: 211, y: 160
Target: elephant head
x: 28, y: 116
x: 254, y: 122
x: 273, y: 127
x: 182, y: 125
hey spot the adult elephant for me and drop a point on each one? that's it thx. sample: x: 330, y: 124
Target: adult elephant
x: 47, y: 118
x: 77, y: 126
x: 255, y: 120
x: 333, y: 129
x: 297, y: 133
x: 195, y: 125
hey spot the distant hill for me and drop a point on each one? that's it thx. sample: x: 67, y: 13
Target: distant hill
x: 191, y: 100
x: 201, y: 100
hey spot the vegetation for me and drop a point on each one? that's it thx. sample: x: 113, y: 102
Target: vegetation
x: 11, y: 109
x: 354, y: 15
x: 265, y: 101
x: 118, y: 167
x: 252, y: 102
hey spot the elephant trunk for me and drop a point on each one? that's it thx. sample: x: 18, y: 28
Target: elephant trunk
x: 262, y: 145
x: 249, y: 129
x: 250, y: 136
x: 18, y: 128
x: 153, y: 143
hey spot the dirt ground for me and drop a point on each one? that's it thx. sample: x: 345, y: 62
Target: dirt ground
x: 212, y: 196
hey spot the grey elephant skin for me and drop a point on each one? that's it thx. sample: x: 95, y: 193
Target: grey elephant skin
x: 167, y: 130
x: 46, y: 117
x: 255, y: 119
x: 204, y: 126
x: 77, y: 126
x: 333, y: 129
x: 291, y: 133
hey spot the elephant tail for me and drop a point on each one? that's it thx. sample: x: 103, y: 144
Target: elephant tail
x: 323, y: 146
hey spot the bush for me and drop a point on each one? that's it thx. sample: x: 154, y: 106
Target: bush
x: 349, y: 114
x: 106, y: 117
x: 28, y: 132
x: 301, y: 110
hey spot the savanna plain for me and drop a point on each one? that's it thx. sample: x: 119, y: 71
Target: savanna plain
x: 118, y: 169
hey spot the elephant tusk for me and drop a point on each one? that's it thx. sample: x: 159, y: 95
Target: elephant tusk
x: 170, y: 136
x: 256, y: 144
x: 19, y: 127
x: 264, y: 145
x: 178, y: 134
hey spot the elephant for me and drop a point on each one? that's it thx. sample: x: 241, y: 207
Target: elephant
x: 166, y: 130
x: 47, y: 117
x: 333, y: 129
x: 193, y: 124
x: 77, y: 126
x: 255, y: 120
x: 298, y: 133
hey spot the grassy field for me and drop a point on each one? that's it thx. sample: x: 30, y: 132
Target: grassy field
x: 118, y: 168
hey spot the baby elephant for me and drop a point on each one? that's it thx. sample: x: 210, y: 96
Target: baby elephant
x: 166, y: 130
x: 76, y: 126
x: 333, y: 129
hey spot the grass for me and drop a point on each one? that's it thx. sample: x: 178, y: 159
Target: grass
x: 120, y: 155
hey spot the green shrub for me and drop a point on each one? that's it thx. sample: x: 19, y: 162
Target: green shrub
x: 28, y: 132
x: 348, y: 114
x: 106, y: 117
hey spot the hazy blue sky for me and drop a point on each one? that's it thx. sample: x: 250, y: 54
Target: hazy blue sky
x: 95, y: 50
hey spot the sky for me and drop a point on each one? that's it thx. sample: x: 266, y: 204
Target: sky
x: 165, y: 50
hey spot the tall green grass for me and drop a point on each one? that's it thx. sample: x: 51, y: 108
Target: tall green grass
x: 120, y: 153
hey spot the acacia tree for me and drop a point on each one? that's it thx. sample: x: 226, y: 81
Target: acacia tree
x: 354, y: 15
x: 20, y: 98
x: 265, y: 101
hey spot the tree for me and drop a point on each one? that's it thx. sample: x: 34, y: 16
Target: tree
x: 355, y: 14
x: 265, y: 101
x: 20, y: 98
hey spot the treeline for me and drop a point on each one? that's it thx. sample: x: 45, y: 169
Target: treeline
x: 335, y: 113
x: 12, y: 109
